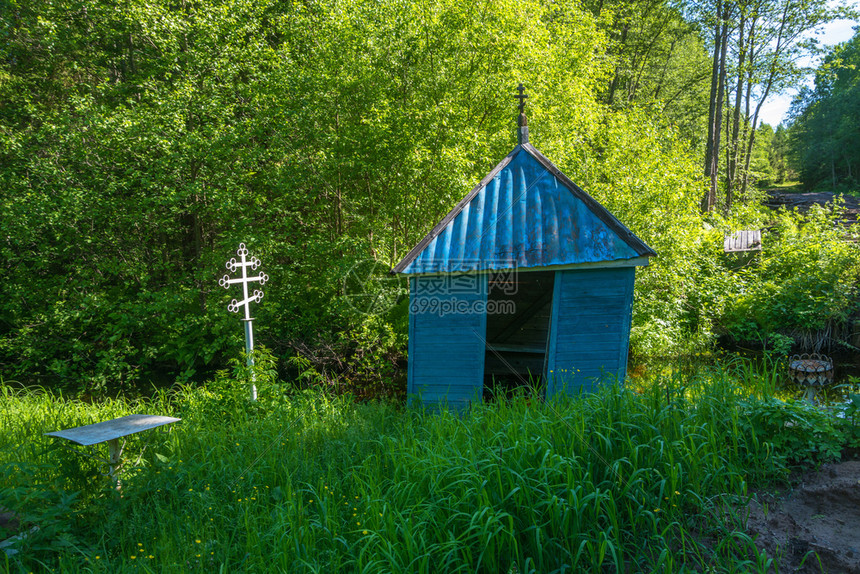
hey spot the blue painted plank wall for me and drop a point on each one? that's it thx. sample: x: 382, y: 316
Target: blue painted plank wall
x: 447, y: 330
x: 589, y: 328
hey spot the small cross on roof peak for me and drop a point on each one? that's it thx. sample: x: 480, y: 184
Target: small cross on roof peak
x: 521, y: 97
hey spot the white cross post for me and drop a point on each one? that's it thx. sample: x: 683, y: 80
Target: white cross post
x: 234, y: 305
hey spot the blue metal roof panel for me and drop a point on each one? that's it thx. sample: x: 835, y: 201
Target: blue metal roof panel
x: 525, y: 213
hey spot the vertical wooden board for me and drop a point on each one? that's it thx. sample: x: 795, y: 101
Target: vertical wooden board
x: 627, y: 318
x: 447, y: 332
x: 583, y: 352
x: 410, y: 345
x: 552, y: 347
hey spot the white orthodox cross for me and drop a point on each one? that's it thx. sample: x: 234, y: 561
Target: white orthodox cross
x: 245, y: 303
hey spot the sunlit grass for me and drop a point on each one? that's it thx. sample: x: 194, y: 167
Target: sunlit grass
x: 644, y: 479
x: 787, y: 186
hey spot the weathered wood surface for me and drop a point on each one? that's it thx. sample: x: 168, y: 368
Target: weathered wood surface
x: 744, y: 240
x: 112, y: 429
x: 446, y: 341
x: 590, y: 328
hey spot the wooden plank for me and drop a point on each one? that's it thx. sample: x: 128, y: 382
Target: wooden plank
x: 624, y: 342
x: 588, y: 361
x: 603, y: 297
x: 583, y: 348
x: 598, y: 338
x: 446, y: 353
x: 587, y: 329
x: 515, y: 348
x: 410, y: 345
x: 431, y: 394
x: 743, y: 240
x: 590, y: 327
x: 110, y: 430
x: 448, y: 389
x: 583, y: 372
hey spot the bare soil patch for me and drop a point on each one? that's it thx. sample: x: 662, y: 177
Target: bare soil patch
x: 814, y: 526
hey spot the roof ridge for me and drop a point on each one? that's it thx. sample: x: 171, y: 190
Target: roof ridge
x: 415, y: 251
x: 615, y: 226
x: 596, y: 207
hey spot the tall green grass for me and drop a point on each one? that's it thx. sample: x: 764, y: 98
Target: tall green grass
x: 653, y: 479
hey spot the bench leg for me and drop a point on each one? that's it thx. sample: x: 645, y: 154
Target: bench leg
x: 114, y: 455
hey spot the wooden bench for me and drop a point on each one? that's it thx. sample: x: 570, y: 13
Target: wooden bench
x: 742, y: 241
x: 110, y: 432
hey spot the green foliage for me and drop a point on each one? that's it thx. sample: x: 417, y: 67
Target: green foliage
x: 644, y: 173
x: 848, y: 413
x: 659, y: 58
x: 140, y: 146
x: 801, y: 432
x: 45, y: 506
x: 762, y: 171
x: 780, y: 156
x: 803, y: 286
x: 825, y: 130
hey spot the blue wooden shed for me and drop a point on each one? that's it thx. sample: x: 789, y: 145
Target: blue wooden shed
x: 528, y: 278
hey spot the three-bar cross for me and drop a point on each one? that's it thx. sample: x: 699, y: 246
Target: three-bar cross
x: 521, y: 97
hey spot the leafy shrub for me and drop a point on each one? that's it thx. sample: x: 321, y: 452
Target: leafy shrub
x: 849, y: 417
x: 804, y: 284
x: 43, y: 509
x: 801, y: 432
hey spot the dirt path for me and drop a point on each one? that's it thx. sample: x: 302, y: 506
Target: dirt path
x: 803, y: 201
x: 814, y: 527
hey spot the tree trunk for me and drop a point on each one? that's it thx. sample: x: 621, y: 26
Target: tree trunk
x: 718, y: 116
x: 780, y: 39
x: 613, y: 86
x: 732, y: 165
x: 713, y: 113
x: 665, y: 68
x: 833, y: 169
x: 748, y: 133
x: 744, y: 138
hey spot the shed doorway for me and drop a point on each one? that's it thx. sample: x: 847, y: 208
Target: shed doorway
x: 519, y: 307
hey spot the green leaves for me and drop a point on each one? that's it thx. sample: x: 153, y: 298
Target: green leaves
x: 804, y: 285
x: 825, y: 132
x: 800, y: 432
x: 141, y: 144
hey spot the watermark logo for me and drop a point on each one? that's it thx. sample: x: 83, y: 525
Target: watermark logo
x: 504, y: 280
x: 370, y: 289
x: 489, y: 290
x: 492, y: 275
x: 442, y: 306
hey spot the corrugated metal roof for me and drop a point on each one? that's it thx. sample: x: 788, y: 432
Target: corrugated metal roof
x: 525, y: 213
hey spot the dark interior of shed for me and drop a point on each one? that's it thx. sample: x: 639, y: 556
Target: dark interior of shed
x: 519, y: 306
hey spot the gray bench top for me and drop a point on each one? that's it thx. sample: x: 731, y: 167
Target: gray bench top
x: 112, y: 429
